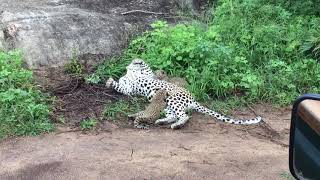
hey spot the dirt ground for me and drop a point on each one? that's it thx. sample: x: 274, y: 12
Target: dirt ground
x: 203, y: 149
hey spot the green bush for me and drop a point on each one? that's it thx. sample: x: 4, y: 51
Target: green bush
x: 258, y: 49
x: 88, y: 124
x: 23, y: 108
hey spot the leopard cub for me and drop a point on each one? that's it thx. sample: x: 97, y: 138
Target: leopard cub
x: 162, y: 75
x: 152, y: 111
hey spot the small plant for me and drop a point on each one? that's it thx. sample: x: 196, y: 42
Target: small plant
x: 74, y: 67
x: 88, y: 124
x: 92, y: 79
x: 61, y: 120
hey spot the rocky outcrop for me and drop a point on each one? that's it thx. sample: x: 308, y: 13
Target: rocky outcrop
x: 48, y: 32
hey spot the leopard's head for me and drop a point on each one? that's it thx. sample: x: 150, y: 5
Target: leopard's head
x: 138, y: 68
x: 161, y: 74
x: 160, y: 96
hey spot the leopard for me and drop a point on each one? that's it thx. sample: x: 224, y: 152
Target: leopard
x: 152, y: 111
x: 157, y: 104
x: 162, y: 75
x: 140, y: 80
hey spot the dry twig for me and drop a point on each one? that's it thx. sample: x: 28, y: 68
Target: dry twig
x: 143, y: 11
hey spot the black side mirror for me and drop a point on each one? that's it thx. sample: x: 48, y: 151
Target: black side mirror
x: 304, y: 146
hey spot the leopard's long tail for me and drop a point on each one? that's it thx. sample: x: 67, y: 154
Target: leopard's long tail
x: 198, y: 107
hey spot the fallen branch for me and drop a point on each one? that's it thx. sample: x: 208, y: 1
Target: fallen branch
x: 252, y: 110
x: 191, y: 132
x: 68, y: 131
x: 182, y: 147
x: 145, y: 12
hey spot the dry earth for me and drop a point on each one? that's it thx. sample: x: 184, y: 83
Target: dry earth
x: 204, y: 149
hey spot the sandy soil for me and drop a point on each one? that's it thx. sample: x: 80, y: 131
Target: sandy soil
x: 204, y: 149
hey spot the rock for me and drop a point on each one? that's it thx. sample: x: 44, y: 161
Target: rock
x: 48, y: 32
x: 188, y: 5
x: 192, y: 6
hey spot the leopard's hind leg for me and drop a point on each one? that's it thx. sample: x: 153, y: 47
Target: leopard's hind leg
x: 183, y: 118
x: 179, y: 106
x: 170, y: 117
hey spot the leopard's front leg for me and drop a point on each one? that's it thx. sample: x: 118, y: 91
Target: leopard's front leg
x: 136, y: 114
x: 138, y: 125
x: 123, y: 86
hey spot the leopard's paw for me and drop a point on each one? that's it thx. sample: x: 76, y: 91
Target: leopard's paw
x: 109, y: 82
x: 176, y: 125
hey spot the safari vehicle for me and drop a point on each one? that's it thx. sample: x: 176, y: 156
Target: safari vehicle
x: 304, y: 147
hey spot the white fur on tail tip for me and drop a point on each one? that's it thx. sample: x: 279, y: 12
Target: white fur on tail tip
x: 252, y: 121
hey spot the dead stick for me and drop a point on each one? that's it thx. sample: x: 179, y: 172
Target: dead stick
x: 180, y: 146
x: 142, y: 11
x: 61, y: 132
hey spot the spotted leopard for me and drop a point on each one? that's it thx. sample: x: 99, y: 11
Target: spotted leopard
x: 140, y: 80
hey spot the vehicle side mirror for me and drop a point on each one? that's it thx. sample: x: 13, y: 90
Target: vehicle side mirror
x: 304, y: 146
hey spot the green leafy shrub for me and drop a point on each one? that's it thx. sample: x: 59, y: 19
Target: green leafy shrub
x: 257, y: 49
x: 23, y: 108
x: 88, y: 124
x: 74, y: 67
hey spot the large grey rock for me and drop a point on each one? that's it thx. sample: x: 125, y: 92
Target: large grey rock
x: 49, y: 31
